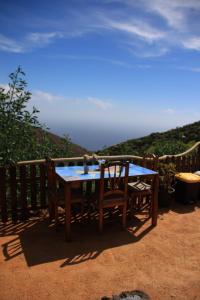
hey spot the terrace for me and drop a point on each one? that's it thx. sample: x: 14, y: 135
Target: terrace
x: 162, y: 261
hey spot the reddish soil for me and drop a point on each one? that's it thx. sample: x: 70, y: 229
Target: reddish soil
x: 164, y: 262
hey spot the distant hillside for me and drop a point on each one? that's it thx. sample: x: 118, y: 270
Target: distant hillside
x: 75, y: 150
x: 170, y: 142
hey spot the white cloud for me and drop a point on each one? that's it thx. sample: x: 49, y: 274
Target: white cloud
x: 100, y: 104
x: 94, y: 58
x: 140, y: 50
x: 175, y: 12
x: 180, y: 22
x: 10, y: 45
x: 192, y: 43
x: 5, y: 86
x: 31, y: 41
x: 169, y: 111
x: 196, y: 70
x: 141, y: 29
x: 171, y: 11
x: 43, y: 98
x: 44, y: 38
x: 191, y: 69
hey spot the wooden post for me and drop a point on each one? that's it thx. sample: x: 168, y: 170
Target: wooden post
x: 33, y: 187
x: 67, y: 212
x: 13, y: 192
x: 3, y: 205
x: 23, y: 196
x: 198, y: 157
x: 178, y: 163
x: 43, y: 203
x: 155, y: 200
x: 183, y: 167
x: 195, y: 159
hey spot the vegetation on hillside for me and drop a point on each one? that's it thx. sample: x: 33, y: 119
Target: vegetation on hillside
x: 21, y: 134
x: 170, y: 142
x: 75, y: 150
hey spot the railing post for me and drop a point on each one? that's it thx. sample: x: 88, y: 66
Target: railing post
x: 33, y: 187
x: 43, y: 185
x: 3, y: 204
x: 198, y: 157
x: 13, y: 193
x: 23, y: 196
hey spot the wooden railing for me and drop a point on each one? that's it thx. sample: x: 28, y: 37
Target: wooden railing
x: 22, y: 190
x: 23, y: 187
x: 188, y: 161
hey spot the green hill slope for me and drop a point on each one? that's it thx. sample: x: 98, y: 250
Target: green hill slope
x: 74, y: 149
x: 170, y: 142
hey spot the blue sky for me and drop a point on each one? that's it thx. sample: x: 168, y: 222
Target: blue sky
x: 105, y: 71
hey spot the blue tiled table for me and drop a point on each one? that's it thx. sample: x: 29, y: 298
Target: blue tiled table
x: 70, y: 175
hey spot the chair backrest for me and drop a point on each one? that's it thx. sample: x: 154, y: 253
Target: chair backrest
x: 150, y: 161
x: 114, y: 180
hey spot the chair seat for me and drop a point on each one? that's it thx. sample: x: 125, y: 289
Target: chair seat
x: 140, y: 192
x: 94, y: 198
x: 139, y: 186
x: 110, y: 202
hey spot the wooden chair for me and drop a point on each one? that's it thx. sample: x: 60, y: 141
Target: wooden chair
x: 56, y: 193
x: 141, y: 191
x: 113, y: 190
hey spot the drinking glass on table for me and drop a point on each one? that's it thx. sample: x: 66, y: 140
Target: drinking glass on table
x: 101, y: 161
x: 85, y: 168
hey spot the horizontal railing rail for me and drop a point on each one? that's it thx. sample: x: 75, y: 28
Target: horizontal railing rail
x: 23, y: 187
x: 195, y: 147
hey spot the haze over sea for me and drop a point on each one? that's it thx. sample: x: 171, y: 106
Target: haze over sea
x: 105, y: 71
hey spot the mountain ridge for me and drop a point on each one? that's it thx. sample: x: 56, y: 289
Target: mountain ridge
x: 172, y: 142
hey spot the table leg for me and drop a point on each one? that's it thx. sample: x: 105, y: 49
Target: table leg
x: 155, y: 200
x: 67, y: 212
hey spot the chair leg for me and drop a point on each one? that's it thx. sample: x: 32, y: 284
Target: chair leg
x: 91, y: 208
x: 82, y: 210
x: 131, y: 205
x: 51, y: 210
x: 101, y: 220
x: 124, y: 216
x: 56, y: 215
x: 150, y: 205
x: 139, y: 202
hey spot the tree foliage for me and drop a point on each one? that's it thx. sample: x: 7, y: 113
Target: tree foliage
x: 18, y: 134
x: 167, y: 148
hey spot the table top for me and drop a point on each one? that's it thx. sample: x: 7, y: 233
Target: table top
x: 76, y: 173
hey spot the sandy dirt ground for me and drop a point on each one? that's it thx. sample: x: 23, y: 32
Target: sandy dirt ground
x: 164, y: 262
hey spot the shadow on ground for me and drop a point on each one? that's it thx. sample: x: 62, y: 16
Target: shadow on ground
x: 178, y: 207
x: 38, y: 241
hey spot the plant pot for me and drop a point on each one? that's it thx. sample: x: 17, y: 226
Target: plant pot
x: 164, y: 197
